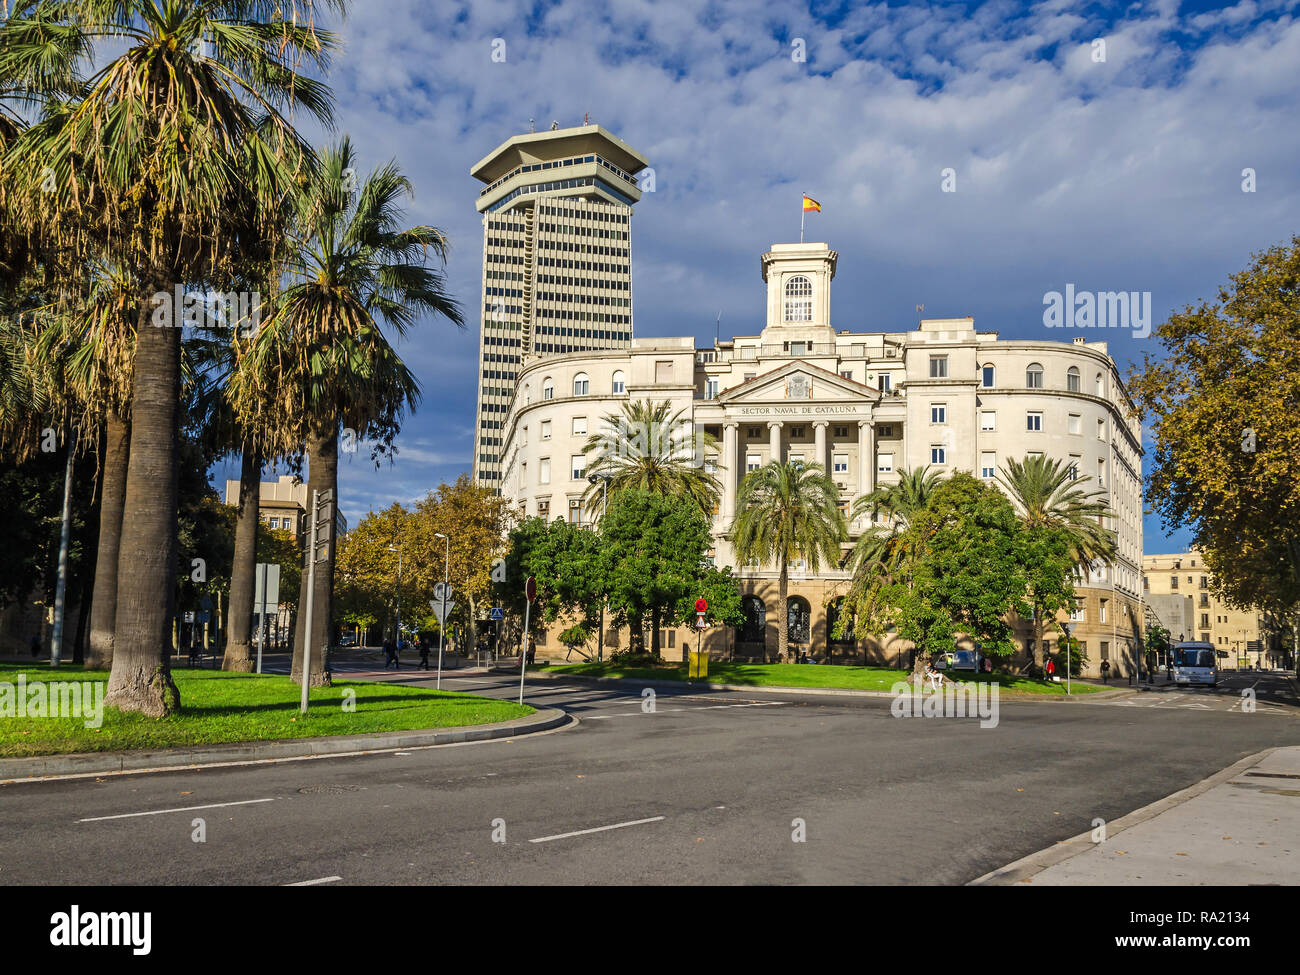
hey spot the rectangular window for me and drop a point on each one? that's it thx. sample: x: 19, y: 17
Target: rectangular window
x: 1075, y: 425
x: 886, y: 381
x: 1103, y: 610
x: 579, y: 466
x: 1079, y: 615
x: 988, y: 420
x: 1101, y: 429
x: 795, y: 459
x: 988, y: 463
x: 752, y: 462
x: 1101, y: 478
x: 575, y: 511
x: 1073, y: 469
x: 841, y: 431
x: 937, y: 454
x: 846, y: 373
x: 711, y: 389
x: 1105, y: 649
x: 544, y: 471
x: 885, y: 431
x: 1034, y: 421
x: 544, y: 509
x: 986, y: 377
x: 1205, y: 619
x: 938, y: 367
x: 840, y: 464
x: 1173, y: 582
x: 938, y: 413
x: 546, y: 429
x: 579, y: 426
x: 885, y: 464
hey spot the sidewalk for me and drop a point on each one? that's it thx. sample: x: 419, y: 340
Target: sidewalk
x: 1239, y: 827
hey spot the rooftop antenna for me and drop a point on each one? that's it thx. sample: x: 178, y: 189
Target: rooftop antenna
x: 586, y: 118
x: 717, y: 329
x: 920, y: 309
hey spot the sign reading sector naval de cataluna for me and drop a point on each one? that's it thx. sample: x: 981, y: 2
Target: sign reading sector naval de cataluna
x: 809, y: 410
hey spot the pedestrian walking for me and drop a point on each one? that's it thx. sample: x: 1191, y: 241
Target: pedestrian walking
x: 390, y: 653
x: 1051, y: 668
x: 423, y: 646
x: 1105, y: 671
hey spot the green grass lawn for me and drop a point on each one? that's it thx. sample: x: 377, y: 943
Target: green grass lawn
x: 808, y: 675
x: 220, y: 707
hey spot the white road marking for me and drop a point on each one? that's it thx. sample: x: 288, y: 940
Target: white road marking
x: 596, y: 829
x: 709, y: 707
x: 159, y: 812
x: 313, y: 883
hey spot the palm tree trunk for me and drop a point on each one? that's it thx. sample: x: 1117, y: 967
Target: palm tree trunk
x: 141, y: 677
x: 783, y: 620
x: 322, y: 476
x: 243, y: 573
x: 103, y: 607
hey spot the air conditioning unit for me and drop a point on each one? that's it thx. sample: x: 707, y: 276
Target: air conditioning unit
x: 841, y: 485
x: 891, y: 352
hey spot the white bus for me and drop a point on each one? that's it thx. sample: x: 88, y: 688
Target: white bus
x: 1194, y: 663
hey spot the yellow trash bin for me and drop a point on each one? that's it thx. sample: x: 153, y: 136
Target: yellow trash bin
x: 699, y: 664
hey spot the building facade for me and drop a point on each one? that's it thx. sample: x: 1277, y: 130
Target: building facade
x: 557, y: 262
x: 864, y: 405
x: 282, y: 505
x: 1242, y: 637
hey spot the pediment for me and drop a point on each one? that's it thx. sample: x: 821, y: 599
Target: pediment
x: 797, y: 382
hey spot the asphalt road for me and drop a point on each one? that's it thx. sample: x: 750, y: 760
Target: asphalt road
x: 704, y: 790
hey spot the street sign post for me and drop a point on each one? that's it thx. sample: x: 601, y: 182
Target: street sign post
x: 496, y: 614
x: 530, y: 591
x: 266, y: 593
x: 322, y: 510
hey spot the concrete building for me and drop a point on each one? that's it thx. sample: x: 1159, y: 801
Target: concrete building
x: 1242, y: 637
x: 557, y: 261
x: 282, y: 504
x: 864, y: 404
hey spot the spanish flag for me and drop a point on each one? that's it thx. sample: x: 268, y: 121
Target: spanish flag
x: 810, y: 204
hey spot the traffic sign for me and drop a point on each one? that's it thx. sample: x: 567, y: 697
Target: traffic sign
x: 530, y: 589
x: 438, y: 588
x: 438, y: 608
x: 496, y: 613
x: 701, y: 605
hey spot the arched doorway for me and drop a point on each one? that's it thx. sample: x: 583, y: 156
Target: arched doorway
x: 798, y: 624
x: 752, y: 633
x: 845, y: 642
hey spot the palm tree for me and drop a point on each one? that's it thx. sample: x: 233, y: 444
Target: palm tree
x: 651, y: 447
x: 1049, y: 495
x: 787, y: 512
x: 321, y: 360
x: 149, y: 156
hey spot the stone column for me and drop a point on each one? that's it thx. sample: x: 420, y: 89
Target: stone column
x: 866, y: 458
x: 730, y: 472
x: 819, y: 445
x: 774, y: 438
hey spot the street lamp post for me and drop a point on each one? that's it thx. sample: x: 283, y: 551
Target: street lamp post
x: 604, y: 503
x: 446, y: 581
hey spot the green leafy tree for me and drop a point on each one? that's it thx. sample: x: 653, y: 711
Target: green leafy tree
x: 654, y: 549
x: 568, y: 563
x: 968, y: 575
x: 1222, y: 399
x: 784, y: 513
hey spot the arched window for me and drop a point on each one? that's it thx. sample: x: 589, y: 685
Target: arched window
x: 581, y: 384
x: 1101, y: 385
x: 548, y: 388
x: 1073, y: 379
x: 528, y: 394
x: 1034, y: 376
x: 799, y: 616
x: 798, y: 299
x: 755, y: 613
x: 832, y: 619
x: 619, y: 384
x: 988, y: 376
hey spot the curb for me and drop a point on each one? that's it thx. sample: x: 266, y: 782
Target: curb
x: 815, y: 691
x: 39, y: 768
x: 1026, y: 867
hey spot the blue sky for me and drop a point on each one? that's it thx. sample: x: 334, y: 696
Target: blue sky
x: 1122, y: 174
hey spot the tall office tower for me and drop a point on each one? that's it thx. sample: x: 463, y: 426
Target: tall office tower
x: 557, y: 261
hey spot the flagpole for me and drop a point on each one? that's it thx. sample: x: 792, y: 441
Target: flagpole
x: 803, y: 212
